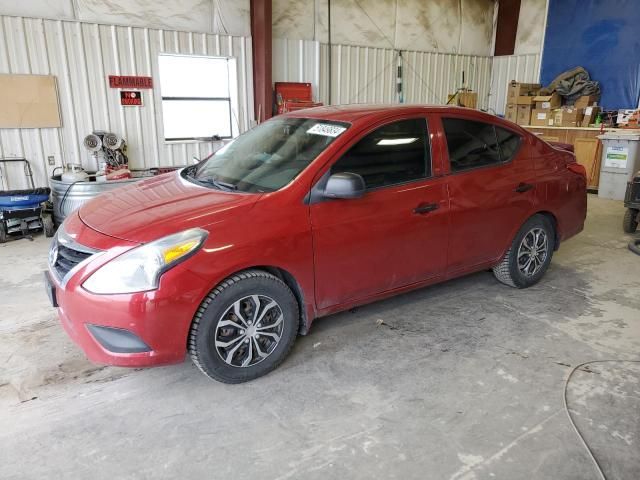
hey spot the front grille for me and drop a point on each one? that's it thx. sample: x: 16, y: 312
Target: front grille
x: 66, y: 254
x: 67, y: 259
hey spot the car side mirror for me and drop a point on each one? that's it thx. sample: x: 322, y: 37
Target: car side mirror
x: 345, y: 185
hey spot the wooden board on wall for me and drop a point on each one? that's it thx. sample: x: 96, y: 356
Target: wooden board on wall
x: 29, y: 101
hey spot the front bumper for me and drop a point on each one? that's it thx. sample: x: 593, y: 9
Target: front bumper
x: 80, y: 333
x: 129, y: 330
x: 133, y: 330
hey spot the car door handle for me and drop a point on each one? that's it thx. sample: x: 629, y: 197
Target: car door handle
x: 425, y: 208
x: 523, y: 187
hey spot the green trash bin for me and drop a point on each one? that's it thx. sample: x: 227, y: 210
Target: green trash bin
x: 620, y: 152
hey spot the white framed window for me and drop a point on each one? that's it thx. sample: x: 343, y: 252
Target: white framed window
x: 197, y: 100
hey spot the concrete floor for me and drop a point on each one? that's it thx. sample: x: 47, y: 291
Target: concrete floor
x: 463, y: 380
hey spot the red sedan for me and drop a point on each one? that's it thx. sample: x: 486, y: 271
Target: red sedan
x: 308, y: 214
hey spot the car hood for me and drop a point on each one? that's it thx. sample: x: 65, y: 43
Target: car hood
x: 150, y: 209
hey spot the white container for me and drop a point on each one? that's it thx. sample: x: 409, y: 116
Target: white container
x: 620, y: 160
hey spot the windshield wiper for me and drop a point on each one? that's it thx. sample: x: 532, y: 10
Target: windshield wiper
x: 220, y: 185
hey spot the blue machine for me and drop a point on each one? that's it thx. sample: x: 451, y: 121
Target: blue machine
x: 21, y: 211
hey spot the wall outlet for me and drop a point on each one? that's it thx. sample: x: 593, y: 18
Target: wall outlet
x: 52, y: 160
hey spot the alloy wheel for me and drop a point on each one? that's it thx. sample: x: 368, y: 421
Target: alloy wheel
x: 533, y: 251
x: 249, y: 331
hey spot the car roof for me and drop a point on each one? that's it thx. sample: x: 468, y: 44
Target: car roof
x: 357, y: 112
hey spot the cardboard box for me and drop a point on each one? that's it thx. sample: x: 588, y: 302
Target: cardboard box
x: 468, y: 99
x: 568, y: 117
x: 623, y: 116
x: 517, y: 89
x: 585, y: 101
x: 548, y: 102
x: 523, y: 115
x: 525, y: 100
x: 634, y: 120
x: 541, y: 118
x: 463, y: 99
x: 511, y: 112
x: 590, y: 115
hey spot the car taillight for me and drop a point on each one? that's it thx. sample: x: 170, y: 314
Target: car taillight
x: 577, y: 168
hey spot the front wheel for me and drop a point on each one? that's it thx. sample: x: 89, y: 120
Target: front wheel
x: 244, y: 328
x: 630, y: 220
x: 530, y: 254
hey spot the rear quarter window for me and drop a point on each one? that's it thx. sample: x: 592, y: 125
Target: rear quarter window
x: 473, y: 144
x: 509, y: 143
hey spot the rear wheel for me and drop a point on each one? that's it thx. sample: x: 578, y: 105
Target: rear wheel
x: 530, y: 254
x: 244, y: 328
x: 3, y: 232
x: 630, y: 220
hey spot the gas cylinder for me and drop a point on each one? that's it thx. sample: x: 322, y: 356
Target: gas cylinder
x: 74, y: 173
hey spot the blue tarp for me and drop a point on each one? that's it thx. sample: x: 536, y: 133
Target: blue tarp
x: 603, y: 37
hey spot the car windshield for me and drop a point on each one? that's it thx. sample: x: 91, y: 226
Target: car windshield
x: 268, y: 157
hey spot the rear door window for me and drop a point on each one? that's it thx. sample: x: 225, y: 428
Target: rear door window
x: 394, y: 153
x: 474, y: 144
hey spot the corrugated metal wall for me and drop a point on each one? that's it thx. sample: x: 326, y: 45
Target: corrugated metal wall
x: 431, y: 77
x: 296, y: 61
x: 81, y: 56
x: 522, y: 68
x: 358, y: 74
x: 368, y: 75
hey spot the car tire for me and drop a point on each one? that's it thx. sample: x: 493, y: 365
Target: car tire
x: 630, y: 220
x: 3, y: 233
x: 524, y: 264
x: 244, y: 328
x: 48, y: 226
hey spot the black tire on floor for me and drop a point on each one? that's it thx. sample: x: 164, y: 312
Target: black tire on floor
x: 218, y: 307
x: 508, y: 271
x: 630, y: 220
x: 3, y: 233
x: 48, y: 226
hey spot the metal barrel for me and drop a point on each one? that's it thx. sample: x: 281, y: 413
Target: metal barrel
x: 69, y: 196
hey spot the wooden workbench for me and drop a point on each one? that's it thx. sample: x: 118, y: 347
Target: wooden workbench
x: 566, y: 134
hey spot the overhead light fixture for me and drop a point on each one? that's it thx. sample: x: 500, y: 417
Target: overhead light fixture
x: 396, y: 141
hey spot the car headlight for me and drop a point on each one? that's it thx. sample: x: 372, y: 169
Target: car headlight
x: 139, y: 269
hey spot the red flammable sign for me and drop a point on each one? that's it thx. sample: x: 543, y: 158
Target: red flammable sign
x: 116, y: 81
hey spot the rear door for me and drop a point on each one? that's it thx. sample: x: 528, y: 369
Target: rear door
x: 396, y: 234
x: 491, y: 186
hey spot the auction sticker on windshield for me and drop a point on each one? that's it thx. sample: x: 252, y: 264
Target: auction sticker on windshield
x: 326, y: 129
